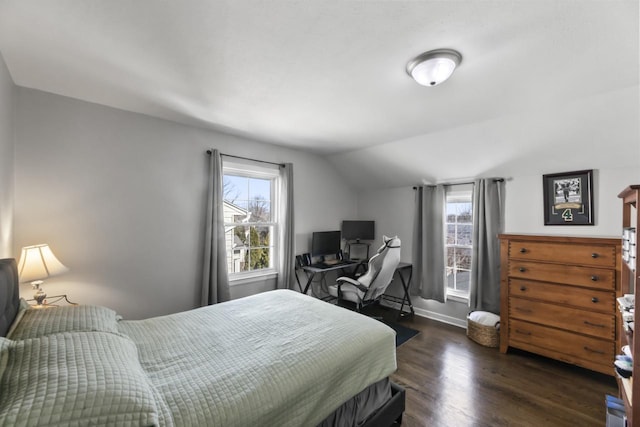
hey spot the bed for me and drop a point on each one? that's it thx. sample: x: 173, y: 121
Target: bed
x: 278, y: 358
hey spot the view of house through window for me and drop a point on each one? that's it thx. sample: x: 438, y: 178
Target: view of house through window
x: 458, y: 235
x: 249, y: 217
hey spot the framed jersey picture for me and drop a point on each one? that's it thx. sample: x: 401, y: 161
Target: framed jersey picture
x: 568, y: 198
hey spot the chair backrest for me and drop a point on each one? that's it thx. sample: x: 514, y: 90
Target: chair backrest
x: 381, y: 268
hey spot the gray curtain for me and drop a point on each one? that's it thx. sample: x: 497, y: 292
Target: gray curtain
x: 484, y: 292
x: 215, y: 279
x: 286, y: 260
x: 428, y: 243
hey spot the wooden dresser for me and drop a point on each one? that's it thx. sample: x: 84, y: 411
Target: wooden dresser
x: 558, y: 298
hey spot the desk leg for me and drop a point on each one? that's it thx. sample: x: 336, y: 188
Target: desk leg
x: 297, y: 279
x: 309, y: 280
x: 406, y: 297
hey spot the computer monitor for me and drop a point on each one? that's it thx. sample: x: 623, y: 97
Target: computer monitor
x: 325, y: 243
x: 358, y: 230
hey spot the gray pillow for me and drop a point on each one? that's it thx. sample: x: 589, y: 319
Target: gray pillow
x: 38, y: 322
x: 78, y: 378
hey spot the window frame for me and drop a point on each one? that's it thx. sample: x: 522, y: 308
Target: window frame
x: 252, y: 170
x: 457, y: 193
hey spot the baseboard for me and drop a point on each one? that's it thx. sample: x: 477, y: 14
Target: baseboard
x: 454, y: 321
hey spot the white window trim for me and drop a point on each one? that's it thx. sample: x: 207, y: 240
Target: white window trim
x: 457, y: 296
x: 246, y: 277
x: 460, y: 194
x: 250, y: 169
x: 254, y: 170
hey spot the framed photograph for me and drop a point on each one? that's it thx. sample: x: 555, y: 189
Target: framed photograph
x: 568, y: 198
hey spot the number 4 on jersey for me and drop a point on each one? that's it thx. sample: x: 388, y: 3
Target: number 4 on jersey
x: 567, y: 215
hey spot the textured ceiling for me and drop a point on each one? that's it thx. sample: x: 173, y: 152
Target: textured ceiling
x: 324, y: 76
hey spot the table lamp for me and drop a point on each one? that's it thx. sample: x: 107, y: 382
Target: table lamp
x: 37, y: 263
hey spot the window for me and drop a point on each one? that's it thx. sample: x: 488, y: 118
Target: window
x: 250, y: 218
x: 458, y: 235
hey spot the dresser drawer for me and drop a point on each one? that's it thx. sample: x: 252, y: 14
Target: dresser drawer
x: 586, y: 322
x: 567, y: 274
x: 575, y: 345
x: 590, y: 299
x: 564, y: 253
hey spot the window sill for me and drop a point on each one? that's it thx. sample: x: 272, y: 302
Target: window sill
x: 458, y: 298
x: 245, y: 278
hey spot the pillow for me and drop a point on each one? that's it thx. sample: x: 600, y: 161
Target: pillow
x: 5, y: 344
x: 38, y: 322
x: 79, y: 378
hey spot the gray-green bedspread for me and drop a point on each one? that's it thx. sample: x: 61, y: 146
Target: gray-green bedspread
x: 274, y: 359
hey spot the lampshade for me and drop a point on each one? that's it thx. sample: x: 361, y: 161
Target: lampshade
x: 434, y: 67
x: 37, y: 263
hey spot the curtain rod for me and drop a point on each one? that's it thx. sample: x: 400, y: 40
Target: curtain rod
x: 459, y: 183
x: 247, y: 158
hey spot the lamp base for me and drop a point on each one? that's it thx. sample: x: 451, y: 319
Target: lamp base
x: 40, y: 295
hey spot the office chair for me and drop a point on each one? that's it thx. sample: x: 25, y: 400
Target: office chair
x: 369, y: 287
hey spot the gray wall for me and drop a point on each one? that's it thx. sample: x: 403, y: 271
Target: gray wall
x: 392, y: 209
x: 7, y: 95
x: 119, y: 197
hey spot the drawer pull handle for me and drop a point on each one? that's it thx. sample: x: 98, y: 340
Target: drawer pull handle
x: 592, y: 350
x: 523, y: 332
x: 594, y: 255
x: 523, y: 288
x: 523, y: 250
x: 595, y: 299
x: 594, y: 278
x: 522, y: 269
x: 597, y: 325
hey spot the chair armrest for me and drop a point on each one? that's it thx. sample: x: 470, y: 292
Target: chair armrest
x: 349, y: 281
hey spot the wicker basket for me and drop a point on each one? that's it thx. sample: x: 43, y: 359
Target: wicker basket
x: 488, y: 336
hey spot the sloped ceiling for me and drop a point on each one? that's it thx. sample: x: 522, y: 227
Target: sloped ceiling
x: 539, y: 80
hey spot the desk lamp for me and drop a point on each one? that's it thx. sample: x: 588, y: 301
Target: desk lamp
x: 37, y: 263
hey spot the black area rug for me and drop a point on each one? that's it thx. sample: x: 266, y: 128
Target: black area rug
x: 403, y: 334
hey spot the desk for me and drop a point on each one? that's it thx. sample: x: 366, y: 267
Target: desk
x: 404, y: 271
x: 312, y: 271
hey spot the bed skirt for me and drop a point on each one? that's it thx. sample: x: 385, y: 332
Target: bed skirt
x: 380, y: 404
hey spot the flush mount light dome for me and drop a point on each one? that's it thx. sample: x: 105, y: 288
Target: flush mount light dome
x: 433, y: 67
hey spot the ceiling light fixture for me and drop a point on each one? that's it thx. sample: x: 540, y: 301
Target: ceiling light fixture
x: 433, y: 67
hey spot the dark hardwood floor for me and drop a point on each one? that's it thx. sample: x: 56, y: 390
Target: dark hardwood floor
x: 452, y: 381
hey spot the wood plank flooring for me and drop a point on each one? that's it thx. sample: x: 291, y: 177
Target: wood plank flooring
x: 452, y: 381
